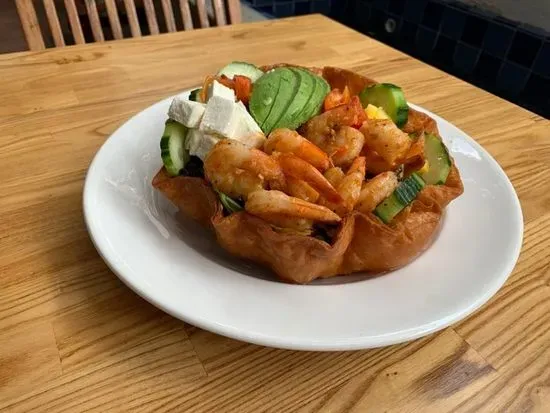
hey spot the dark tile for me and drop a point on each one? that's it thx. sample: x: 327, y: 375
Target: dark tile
x: 414, y: 10
x: 377, y: 21
x: 284, y: 10
x: 497, y: 39
x: 444, y: 50
x: 510, y: 23
x: 381, y: 4
x: 487, y: 68
x: 433, y: 14
x: 453, y: 22
x: 407, y: 35
x: 303, y: 7
x: 512, y: 78
x: 537, y: 92
x: 321, y: 6
x: 542, y: 63
x: 425, y: 41
x: 474, y: 30
x: 397, y: 6
x: 524, y: 49
x: 266, y: 9
x: 361, y: 15
x: 465, y: 58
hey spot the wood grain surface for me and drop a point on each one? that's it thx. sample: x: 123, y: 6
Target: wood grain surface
x: 73, y: 338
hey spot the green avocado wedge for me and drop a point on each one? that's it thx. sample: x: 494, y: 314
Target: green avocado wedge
x: 271, y: 96
x: 314, y: 103
x: 304, y: 92
x: 263, y: 96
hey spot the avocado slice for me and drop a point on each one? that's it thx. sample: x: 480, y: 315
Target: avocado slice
x: 287, y: 91
x: 314, y: 104
x: 319, y: 90
x: 304, y: 92
x: 263, y: 95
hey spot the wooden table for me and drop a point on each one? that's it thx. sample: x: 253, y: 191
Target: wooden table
x: 73, y: 338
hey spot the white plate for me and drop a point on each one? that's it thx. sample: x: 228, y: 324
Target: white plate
x: 177, y: 265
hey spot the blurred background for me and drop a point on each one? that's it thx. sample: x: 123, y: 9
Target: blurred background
x: 502, y: 46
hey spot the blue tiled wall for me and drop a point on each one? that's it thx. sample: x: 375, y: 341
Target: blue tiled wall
x: 496, y: 54
x: 285, y: 8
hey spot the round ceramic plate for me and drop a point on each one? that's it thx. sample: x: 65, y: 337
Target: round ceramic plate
x: 178, y: 266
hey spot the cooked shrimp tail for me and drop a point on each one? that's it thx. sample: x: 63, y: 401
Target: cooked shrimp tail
x: 384, y: 137
x: 236, y: 170
x: 289, y: 141
x: 376, y: 190
x: 300, y: 169
x: 301, y: 189
x: 349, y: 188
x: 266, y: 204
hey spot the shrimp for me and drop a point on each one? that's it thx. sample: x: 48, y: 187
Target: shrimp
x: 334, y: 175
x: 301, y: 189
x: 384, y: 137
x: 346, y: 145
x: 294, y: 167
x: 237, y: 170
x: 288, y: 141
x: 376, y: 190
x: 285, y: 211
x: 333, y: 132
x: 318, y: 128
x: 349, y: 188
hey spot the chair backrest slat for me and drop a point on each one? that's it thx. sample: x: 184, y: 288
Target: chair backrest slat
x: 234, y: 7
x: 59, y: 11
x: 74, y: 21
x: 132, y: 18
x: 53, y: 21
x: 168, y: 15
x: 151, y: 16
x: 219, y: 12
x: 95, y: 23
x: 186, y: 15
x: 114, y: 21
x: 29, y: 21
x: 203, y: 14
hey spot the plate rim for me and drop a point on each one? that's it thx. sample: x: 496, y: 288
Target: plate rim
x: 354, y: 343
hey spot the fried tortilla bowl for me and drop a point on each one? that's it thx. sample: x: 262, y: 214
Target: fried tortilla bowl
x: 363, y: 243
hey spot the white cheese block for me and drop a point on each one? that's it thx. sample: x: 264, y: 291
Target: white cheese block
x: 249, y: 132
x: 200, y: 144
x: 219, y: 90
x: 221, y: 117
x: 186, y: 112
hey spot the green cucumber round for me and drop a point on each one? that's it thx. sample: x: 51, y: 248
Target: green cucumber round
x: 390, y: 97
x: 172, y: 147
x: 242, y: 69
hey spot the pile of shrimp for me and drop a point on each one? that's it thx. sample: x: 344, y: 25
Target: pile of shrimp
x: 317, y: 175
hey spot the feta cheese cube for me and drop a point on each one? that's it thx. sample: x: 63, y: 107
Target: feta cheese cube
x: 221, y: 117
x: 200, y: 144
x: 219, y: 90
x: 186, y: 112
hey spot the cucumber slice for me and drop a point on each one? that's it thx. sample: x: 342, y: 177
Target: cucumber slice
x: 439, y: 161
x: 194, y: 95
x: 242, y: 69
x: 172, y: 147
x: 390, y: 98
x: 229, y: 203
x: 403, y: 195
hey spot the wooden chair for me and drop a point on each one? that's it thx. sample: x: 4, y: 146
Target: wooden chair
x: 224, y: 11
